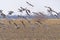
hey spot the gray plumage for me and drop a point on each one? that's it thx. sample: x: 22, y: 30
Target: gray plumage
x: 28, y: 11
x: 23, y: 9
x: 11, y: 12
x: 20, y: 10
x: 29, y: 4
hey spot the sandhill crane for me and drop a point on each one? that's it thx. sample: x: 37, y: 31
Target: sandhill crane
x: 50, y: 11
x: 24, y: 18
x: 35, y: 13
x: 10, y: 12
x: 28, y: 11
x: 29, y: 4
x: 56, y: 15
x: 41, y: 13
x: 39, y: 16
x: 20, y: 10
x: 2, y: 14
x: 49, y: 8
x: 23, y: 9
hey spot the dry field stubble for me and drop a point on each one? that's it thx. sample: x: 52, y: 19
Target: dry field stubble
x: 22, y: 29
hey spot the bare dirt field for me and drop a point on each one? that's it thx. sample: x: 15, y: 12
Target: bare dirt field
x: 22, y: 29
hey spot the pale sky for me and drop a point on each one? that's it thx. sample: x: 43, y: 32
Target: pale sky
x: 7, y: 5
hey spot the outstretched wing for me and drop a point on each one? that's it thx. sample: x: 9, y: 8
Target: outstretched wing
x: 29, y: 4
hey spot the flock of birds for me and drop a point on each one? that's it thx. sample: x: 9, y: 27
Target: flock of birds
x: 21, y: 9
x: 37, y: 14
x: 50, y: 10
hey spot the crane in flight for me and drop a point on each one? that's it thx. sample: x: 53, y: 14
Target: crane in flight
x: 28, y: 11
x: 20, y: 10
x: 30, y: 4
x: 11, y: 12
x: 51, y: 10
x: 2, y: 14
x: 23, y: 9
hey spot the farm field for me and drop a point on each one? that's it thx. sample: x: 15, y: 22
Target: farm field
x: 22, y: 29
